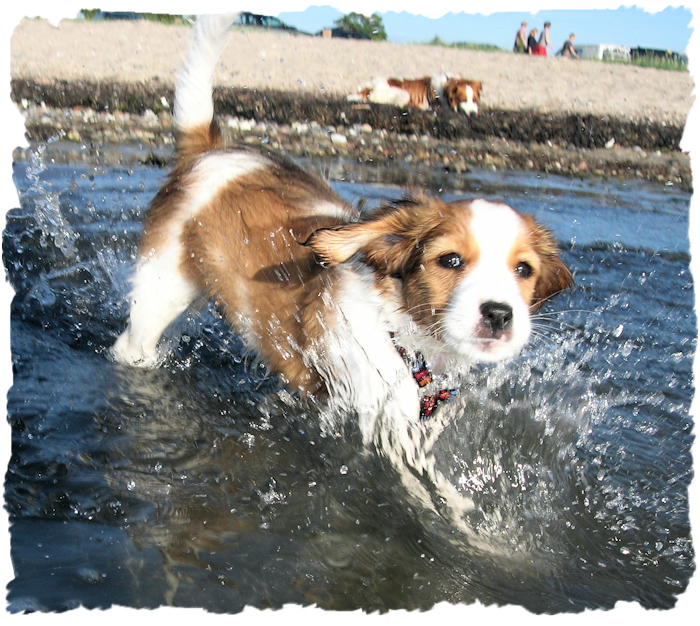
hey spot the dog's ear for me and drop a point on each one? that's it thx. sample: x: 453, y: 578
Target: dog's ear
x: 337, y: 244
x: 555, y: 277
x: 554, y: 274
x: 390, y: 240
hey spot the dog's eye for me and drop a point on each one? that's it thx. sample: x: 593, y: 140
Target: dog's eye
x: 523, y: 270
x: 451, y: 261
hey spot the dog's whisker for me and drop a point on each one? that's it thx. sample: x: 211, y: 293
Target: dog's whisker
x: 423, y: 307
x: 562, y: 312
x: 555, y: 324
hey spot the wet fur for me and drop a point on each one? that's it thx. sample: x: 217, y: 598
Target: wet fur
x: 315, y: 289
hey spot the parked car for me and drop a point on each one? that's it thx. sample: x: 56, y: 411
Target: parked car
x: 603, y: 52
x: 265, y: 21
x: 659, y: 55
x: 115, y: 15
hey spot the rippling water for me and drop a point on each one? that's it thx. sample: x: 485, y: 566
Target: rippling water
x: 204, y: 484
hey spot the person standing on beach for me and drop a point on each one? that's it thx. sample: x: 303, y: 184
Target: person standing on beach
x: 567, y: 50
x: 520, y: 45
x: 544, y: 42
x: 532, y: 42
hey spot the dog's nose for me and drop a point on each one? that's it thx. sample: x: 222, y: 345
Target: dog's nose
x: 496, y: 316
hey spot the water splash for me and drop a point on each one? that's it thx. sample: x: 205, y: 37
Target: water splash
x: 47, y: 209
x: 577, y: 455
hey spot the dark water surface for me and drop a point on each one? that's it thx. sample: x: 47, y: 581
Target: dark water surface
x: 202, y: 484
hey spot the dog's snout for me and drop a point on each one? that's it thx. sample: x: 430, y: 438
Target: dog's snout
x: 496, y: 316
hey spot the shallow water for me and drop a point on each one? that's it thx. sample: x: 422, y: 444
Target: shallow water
x: 204, y: 484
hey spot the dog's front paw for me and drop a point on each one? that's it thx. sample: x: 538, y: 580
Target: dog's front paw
x: 125, y: 350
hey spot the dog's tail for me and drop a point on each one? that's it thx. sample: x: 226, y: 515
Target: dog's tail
x: 193, y: 117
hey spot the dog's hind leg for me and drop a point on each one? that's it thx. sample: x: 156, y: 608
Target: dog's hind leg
x: 160, y: 293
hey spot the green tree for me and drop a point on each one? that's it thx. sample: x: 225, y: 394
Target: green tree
x: 371, y: 26
x: 88, y: 14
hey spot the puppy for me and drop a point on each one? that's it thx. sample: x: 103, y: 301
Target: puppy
x: 461, y: 94
x: 419, y: 93
x: 381, y: 91
x: 424, y: 93
x: 352, y: 310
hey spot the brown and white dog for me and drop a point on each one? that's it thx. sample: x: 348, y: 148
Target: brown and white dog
x: 424, y: 93
x: 322, y: 294
x: 421, y: 92
x: 462, y: 94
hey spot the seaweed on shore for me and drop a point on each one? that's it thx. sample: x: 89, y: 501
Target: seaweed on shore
x: 571, y: 130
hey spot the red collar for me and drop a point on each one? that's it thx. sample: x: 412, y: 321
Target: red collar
x: 422, y: 375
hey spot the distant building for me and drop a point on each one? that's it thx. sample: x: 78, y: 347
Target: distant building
x: 343, y: 33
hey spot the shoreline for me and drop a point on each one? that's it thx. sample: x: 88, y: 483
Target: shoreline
x: 141, y: 52
x: 97, y: 85
x: 366, y: 144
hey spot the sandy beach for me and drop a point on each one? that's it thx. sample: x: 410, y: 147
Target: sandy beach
x: 141, y: 51
x: 110, y: 82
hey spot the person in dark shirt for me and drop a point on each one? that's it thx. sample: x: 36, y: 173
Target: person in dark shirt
x: 567, y: 50
x: 532, y: 41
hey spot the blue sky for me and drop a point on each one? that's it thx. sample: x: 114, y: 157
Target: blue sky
x: 629, y: 26
x: 648, y: 23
